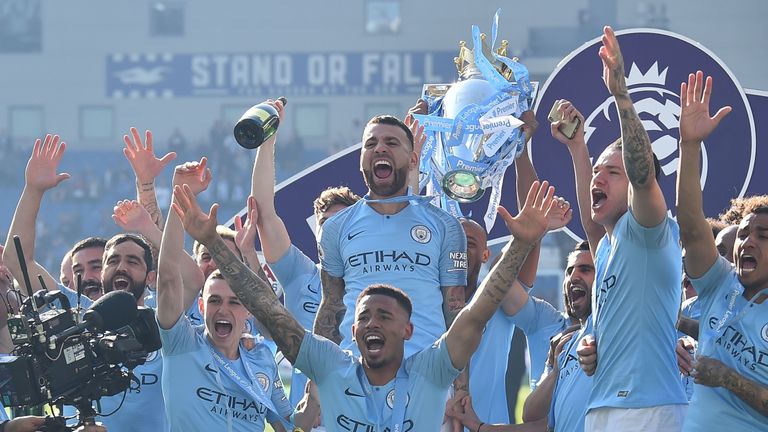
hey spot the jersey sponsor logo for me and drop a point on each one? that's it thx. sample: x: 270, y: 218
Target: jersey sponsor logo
x: 388, y: 261
x: 351, y: 236
x: 222, y: 403
x: 350, y: 424
x: 735, y: 344
x: 653, y: 80
x: 263, y: 381
x: 310, y: 307
x: 142, y: 379
x: 391, y: 399
x: 421, y: 234
x: 349, y: 392
x: 605, y: 288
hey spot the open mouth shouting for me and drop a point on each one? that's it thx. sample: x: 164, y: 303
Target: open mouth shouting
x: 382, y: 169
x: 747, y: 263
x: 598, y: 198
x: 374, y: 343
x: 577, y: 294
x: 122, y: 282
x: 222, y: 328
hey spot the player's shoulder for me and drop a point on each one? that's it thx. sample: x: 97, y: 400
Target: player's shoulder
x: 437, y: 216
x: 344, y: 215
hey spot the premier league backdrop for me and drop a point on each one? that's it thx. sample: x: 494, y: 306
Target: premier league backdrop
x: 656, y: 63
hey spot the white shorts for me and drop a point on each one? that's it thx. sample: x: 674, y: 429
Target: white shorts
x: 664, y: 418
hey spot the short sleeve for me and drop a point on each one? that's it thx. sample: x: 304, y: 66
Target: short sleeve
x: 453, y: 255
x: 318, y: 357
x: 290, y: 266
x: 328, y: 249
x: 708, y: 284
x: 279, y: 399
x: 651, y: 238
x: 434, y: 364
x: 179, y: 339
x: 535, y: 314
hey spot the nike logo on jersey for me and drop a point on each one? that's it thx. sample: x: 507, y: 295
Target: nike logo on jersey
x: 351, y: 236
x: 349, y: 392
x: 211, y: 369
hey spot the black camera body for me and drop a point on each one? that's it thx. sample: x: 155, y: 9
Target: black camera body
x: 57, y: 359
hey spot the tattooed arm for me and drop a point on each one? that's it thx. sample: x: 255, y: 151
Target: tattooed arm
x: 255, y: 294
x: 645, y: 197
x: 527, y: 228
x: 331, y: 311
x: 712, y: 373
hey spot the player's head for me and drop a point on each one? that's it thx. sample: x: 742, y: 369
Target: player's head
x: 86, y: 259
x: 387, y: 156
x: 203, y: 257
x: 225, y: 316
x: 750, y: 249
x: 127, y: 265
x: 477, y: 252
x: 725, y: 240
x: 382, y: 325
x: 578, y: 280
x: 332, y: 201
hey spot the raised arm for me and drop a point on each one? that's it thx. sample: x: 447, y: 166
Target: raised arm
x: 418, y: 143
x: 645, y: 197
x: 695, y: 126
x: 256, y: 295
x: 526, y: 228
x: 332, y: 309
x: 133, y: 217
x: 525, y: 175
x: 40, y: 175
x: 173, y: 298
x: 273, y: 235
x: 713, y: 373
x: 147, y: 167
x: 582, y: 170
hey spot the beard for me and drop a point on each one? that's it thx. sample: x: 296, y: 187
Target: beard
x: 92, y: 289
x: 398, y: 182
x: 134, y: 287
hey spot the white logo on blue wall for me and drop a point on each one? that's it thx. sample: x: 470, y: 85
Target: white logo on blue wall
x: 421, y: 234
x: 656, y: 62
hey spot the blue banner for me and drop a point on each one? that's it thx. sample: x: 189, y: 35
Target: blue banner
x: 291, y: 74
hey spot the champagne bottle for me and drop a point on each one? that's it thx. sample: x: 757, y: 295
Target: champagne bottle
x: 257, y: 124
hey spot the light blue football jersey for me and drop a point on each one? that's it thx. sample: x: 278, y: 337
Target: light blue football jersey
x: 635, y: 302
x: 201, y: 395
x: 569, y: 398
x: 300, y: 278
x: 419, y: 250
x: 692, y: 309
x: 741, y: 343
x: 539, y: 320
x: 344, y: 387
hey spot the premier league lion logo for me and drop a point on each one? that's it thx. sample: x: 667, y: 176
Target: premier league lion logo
x: 656, y: 62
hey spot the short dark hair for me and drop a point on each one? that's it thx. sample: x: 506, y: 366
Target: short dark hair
x: 226, y: 233
x: 392, y: 121
x: 136, y: 238
x: 333, y: 196
x: 582, y: 246
x: 87, y: 243
x: 656, y: 164
x: 388, y: 290
x: 716, y: 225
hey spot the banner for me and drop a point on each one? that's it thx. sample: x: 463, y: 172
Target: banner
x: 291, y: 74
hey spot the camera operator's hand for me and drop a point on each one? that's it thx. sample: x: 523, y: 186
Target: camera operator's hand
x: 201, y: 226
x: 193, y: 174
x: 24, y: 424
x: 40, y: 174
x: 141, y: 156
x: 133, y: 217
x: 569, y: 113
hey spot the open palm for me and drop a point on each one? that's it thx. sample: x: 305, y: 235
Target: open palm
x: 695, y: 121
x: 201, y: 226
x: 42, y: 165
x: 141, y: 156
x: 531, y: 224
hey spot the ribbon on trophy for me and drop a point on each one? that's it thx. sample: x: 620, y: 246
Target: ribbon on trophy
x: 472, y: 127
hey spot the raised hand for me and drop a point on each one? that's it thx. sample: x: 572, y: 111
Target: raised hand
x: 569, y: 113
x: 40, y: 174
x: 613, y: 64
x: 695, y: 122
x: 201, y: 226
x: 418, y: 134
x: 132, y: 216
x: 530, y: 124
x: 245, y: 233
x: 141, y: 156
x: 193, y: 174
x: 560, y: 215
x: 531, y: 224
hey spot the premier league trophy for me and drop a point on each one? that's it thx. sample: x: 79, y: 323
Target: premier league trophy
x: 473, y: 127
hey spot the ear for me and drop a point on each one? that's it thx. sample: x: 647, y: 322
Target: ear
x: 414, y: 162
x: 151, y: 277
x: 200, y: 305
x: 408, y: 331
x: 486, y: 255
